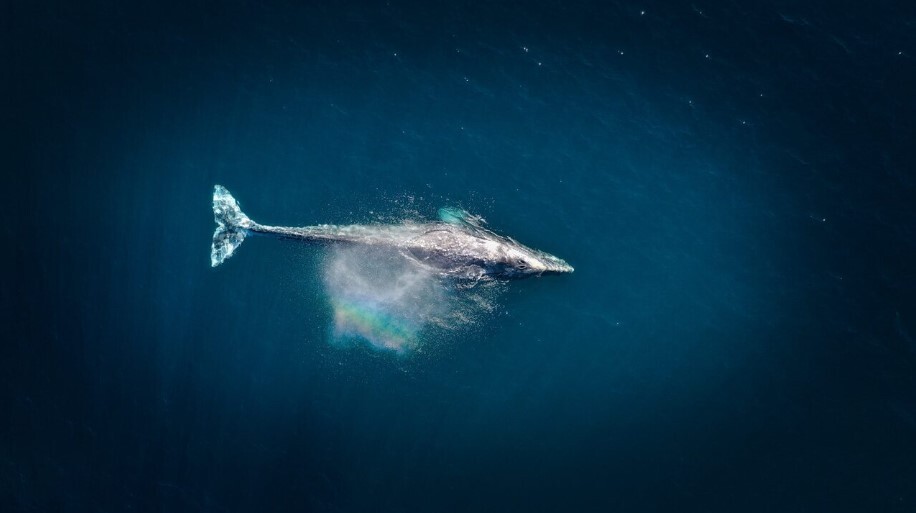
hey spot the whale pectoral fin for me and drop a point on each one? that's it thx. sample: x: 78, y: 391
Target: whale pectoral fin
x: 452, y: 215
x: 458, y: 216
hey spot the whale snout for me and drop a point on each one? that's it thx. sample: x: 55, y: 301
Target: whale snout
x: 563, y: 268
x: 552, y: 264
x: 560, y: 267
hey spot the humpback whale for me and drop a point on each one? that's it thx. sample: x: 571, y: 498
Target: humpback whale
x: 456, y: 246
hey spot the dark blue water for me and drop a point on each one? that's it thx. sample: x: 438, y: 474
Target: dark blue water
x: 734, y: 185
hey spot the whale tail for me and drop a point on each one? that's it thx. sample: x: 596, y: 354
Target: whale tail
x: 231, y: 225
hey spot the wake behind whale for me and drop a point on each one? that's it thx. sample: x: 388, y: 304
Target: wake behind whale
x: 391, y: 284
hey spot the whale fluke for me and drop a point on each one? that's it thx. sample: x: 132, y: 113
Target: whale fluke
x: 231, y: 225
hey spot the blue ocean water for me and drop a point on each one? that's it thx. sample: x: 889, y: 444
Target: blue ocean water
x: 733, y: 184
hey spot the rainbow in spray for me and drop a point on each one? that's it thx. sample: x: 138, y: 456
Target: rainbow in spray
x: 382, y: 298
x: 368, y: 320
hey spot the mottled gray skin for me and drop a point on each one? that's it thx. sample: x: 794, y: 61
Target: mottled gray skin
x: 459, y: 248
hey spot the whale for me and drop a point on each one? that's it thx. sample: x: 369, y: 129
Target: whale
x: 457, y: 245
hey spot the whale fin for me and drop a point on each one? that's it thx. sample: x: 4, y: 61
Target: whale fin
x: 453, y: 215
x: 231, y: 225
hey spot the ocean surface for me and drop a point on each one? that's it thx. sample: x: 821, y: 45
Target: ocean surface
x: 734, y: 183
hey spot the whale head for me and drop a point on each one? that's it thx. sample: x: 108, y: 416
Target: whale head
x: 520, y: 261
x: 500, y: 257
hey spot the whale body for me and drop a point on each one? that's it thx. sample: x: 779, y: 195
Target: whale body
x: 456, y: 246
